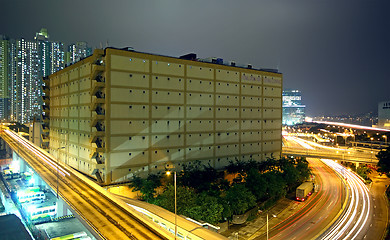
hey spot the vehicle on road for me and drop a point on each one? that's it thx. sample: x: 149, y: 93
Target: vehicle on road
x: 304, y: 191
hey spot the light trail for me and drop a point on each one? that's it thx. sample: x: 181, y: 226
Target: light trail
x: 352, y: 126
x: 300, y: 142
x: 348, y: 227
x: 28, y: 145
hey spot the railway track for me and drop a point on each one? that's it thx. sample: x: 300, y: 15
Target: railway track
x: 108, y: 218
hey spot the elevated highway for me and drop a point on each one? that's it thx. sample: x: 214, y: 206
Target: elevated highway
x: 299, y: 147
x: 105, y: 216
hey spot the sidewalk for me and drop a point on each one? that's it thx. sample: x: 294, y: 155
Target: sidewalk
x: 283, y: 209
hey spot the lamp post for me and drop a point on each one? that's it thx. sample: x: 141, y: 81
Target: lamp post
x: 385, y: 137
x: 174, y: 180
x: 371, y: 148
x: 273, y: 215
x: 58, y: 166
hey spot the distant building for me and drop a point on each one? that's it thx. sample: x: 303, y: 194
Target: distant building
x: 4, y: 75
x: 22, y: 65
x: 293, y: 109
x: 122, y: 113
x: 77, y: 51
x: 384, y: 115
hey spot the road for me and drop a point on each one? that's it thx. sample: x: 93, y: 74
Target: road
x: 381, y: 211
x: 366, y: 214
x: 105, y: 216
x: 318, y: 211
x: 356, y: 218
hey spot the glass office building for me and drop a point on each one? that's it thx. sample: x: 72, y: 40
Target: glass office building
x: 293, y: 109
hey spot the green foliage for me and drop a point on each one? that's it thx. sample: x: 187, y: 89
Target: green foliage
x: 147, y: 186
x: 199, y: 177
x: 384, y: 161
x: 302, y: 166
x: 276, y: 186
x: 207, y: 209
x: 363, y: 171
x: 240, y: 199
x: 203, y: 193
x: 257, y: 184
x: 186, y: 198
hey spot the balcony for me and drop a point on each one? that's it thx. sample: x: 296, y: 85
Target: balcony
x: 96, y: 101
x: 96, y: 69
x: 96, y: 118
x: 96, y: 86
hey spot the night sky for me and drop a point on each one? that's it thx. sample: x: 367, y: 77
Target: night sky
x: 335, y: 52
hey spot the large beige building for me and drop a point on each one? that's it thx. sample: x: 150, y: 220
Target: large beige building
x: 121, y: 113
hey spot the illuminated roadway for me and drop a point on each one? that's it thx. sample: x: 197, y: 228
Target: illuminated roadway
x: 318, y: 211
x: 355, y: 220
x: 107, y: 217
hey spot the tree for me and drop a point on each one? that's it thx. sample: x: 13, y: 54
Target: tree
x: 384, y: 161
x: 256, y: 183
x: 303, y: 169
x: 363, y: 171
x: 208, y: 209
x: 199, y: 177
x: 186, y: 199
x: 240, y: 199
x: 276, y: 187
x: 147, y: 186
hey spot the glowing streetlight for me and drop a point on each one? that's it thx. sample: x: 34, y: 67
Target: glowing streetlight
x: 385, y: 137
x: 174, y: 180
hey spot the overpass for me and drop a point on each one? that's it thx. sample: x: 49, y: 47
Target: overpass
x: 104, y: 215
x: 305, y: 148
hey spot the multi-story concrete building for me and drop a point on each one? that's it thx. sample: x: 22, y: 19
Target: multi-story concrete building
x: 384, y: 115
x: 293, y: 109
x: 121, y: 113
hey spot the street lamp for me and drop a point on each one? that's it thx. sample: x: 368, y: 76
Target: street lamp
x: 174, y: 180
x: 371, y: 148
x: 273, y: 215
x: 385, y: 137
x: 58, y: 167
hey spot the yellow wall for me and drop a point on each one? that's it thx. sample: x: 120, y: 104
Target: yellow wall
x: 162, y: 109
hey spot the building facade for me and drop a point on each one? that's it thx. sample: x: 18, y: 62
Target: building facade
x: 121, y: 113
x: 384, y: 115
x: 22, y: 65
x: 77, y: 51
x: 4, y: 75
x: 293, y: 109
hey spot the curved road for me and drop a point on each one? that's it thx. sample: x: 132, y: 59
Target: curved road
x: 356, y: 219
x: 319, y: 210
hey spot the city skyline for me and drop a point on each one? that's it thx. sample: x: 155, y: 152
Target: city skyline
x: 335, y: 53
x: 23, y: 63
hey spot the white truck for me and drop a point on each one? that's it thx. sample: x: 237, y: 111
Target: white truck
x: 304, y: 191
